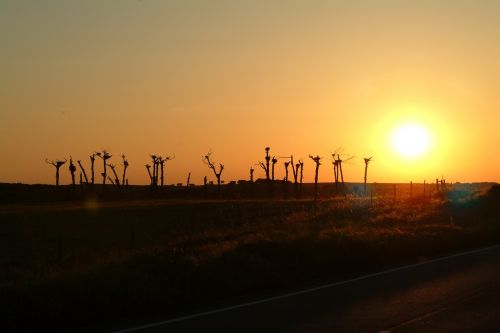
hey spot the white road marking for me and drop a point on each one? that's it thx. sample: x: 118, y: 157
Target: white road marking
x: 304, y: 291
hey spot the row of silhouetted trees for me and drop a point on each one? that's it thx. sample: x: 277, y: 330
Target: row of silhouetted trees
x: 156, y: 170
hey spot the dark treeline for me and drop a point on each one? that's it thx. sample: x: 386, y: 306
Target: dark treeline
x: 117, y: 185
x: 259, y: 190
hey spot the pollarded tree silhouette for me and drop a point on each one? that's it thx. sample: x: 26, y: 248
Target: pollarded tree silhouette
x: 211, y: 165
x: 295, y: 171
x: 265, y: 166
x: 72, y: 170
x: 148, y: 167
x: 92, y: 160
x: 251, y: 174
x: 274, y: 160
x: 104, y: 155
x: 301, y: 164
x: 335, y: 163
x: 317, y: 160
x: 57, y: 164
x: 367, y: 160
x: 338, y: 160
x: 162, y: 162
x: 287, y: 164
x: 111, y: 180
x: 83, y: 171
x: 339, y: 170
x: 117, y: 180
x: 125, y: 166
x: 156, y: 162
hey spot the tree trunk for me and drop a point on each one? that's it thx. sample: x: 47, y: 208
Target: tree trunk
x: 92, y: 169
x: 342, y: 178
x: 316, y: 182
x: 124, y: 172
x: 104, y: 172
x: 366, y: 172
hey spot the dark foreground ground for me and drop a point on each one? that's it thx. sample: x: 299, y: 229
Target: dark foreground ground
x: 98, y: 263
x: 460, y: 293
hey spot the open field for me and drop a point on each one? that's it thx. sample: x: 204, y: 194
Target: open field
x: 72, y: 259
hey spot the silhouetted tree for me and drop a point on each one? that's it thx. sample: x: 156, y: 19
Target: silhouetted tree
x: 57, y: 164
x: 92, y: 160
x: 317, y: 160
x: 104, y: 155
x: 83, y: 171
x: 251, y: 174
x: 287, y: 164
x: 117, y: 180
x: 162, y: 162
x: 265, y: 166
x: 367, y: 160
x: 156, y: 162
x: 148, y: 167
x: 274, y: 160
x: 125, y: 166
x: 72, y: 170
x: 206, y: 160
x: 335, y: 163
x: 295, y: 173
x: 338, y: 162
x: 301, y: 163
x: 111, y: 180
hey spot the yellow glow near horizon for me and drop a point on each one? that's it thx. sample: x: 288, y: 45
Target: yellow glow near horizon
x: 411, y: 140
x: 183, y: 77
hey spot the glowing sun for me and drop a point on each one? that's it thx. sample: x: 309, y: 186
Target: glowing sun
x: 411, y: 140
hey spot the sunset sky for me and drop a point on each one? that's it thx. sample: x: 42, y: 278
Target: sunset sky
x: 303, y: 77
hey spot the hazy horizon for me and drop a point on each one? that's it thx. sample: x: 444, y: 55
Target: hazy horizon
x: 303, y: 77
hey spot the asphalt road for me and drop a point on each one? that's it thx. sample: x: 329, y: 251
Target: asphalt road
x: 459, y: 293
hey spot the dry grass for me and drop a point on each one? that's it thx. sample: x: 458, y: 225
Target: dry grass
x: 169, y: 257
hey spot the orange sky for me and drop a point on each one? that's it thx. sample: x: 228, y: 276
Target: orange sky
x: 304, y: 77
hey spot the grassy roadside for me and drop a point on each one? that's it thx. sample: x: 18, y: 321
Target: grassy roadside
x: 185, y: 257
